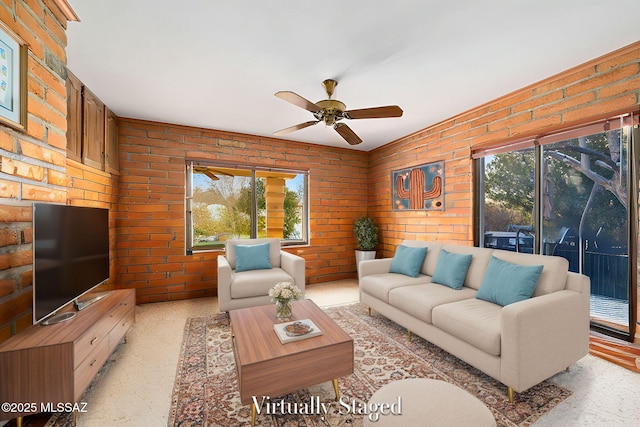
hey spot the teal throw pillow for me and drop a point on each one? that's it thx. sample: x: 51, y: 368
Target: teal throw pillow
x: 408, y: 260
x: 252, y: 257
x: 451, y: 269
x: 505, y: 283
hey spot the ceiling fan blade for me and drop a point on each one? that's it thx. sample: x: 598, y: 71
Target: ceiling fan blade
x: 346, y: 132
x: 296, y: 127
x: 297, y: 100
x: 374, y: 113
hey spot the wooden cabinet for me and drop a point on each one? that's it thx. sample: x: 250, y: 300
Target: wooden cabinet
x: 56, y: 363
x: 111, y: 162
x: 74, y: 117
x: 92, y: 130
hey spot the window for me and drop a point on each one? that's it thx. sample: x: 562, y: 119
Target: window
x: 568, y: 195
x: 226, y: 202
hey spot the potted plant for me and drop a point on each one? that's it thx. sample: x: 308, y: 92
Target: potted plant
x: 366, y: 233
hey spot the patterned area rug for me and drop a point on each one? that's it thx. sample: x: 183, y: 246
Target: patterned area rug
x: 206, y: 393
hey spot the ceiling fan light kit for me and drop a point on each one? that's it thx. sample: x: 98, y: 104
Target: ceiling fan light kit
x: 331, y: 112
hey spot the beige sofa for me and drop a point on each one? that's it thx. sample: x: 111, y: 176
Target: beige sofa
x: 519, y: 344
x: 240, y: 289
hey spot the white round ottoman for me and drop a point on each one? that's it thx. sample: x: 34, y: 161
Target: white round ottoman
x: 425, y: 402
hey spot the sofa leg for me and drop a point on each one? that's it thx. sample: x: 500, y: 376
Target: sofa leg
x: 369, y: 311
x: 409, y: 336
x: 511, y: 394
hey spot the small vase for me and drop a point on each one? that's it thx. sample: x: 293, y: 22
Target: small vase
x: 283, y: 310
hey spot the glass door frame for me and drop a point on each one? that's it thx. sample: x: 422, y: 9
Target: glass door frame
x: 632, y: 239
x: 627, y: 121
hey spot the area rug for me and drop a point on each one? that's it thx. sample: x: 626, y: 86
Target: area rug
x: 206, y: 392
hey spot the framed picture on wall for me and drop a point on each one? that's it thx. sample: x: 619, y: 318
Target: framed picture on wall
x: 13, y: 79
x: 418, y: 187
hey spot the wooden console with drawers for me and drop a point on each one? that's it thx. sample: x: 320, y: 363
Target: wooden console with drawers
x: 55, y: 364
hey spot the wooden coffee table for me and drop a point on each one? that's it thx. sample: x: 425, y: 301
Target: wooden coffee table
x: 266, y: 367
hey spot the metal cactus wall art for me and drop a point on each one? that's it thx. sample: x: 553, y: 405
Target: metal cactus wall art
x: 419, y: 188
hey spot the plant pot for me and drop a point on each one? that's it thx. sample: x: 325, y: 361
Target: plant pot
x: 363, y: 256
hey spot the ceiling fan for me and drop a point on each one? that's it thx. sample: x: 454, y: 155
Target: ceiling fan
x: 331, y: 112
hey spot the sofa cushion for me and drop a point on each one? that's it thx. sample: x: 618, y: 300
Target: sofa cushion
x: 451, y: 269
x: 505, y: 283
x: 479, y: 261
x: 554, y: 272
x: 252, y: 257
x: 408, y: 260
x: 474, y: 321
x: 256, y: 283
x: 431, y: 259
x: 419, y: 300
x: 379, y: 285
x: 274, y: 250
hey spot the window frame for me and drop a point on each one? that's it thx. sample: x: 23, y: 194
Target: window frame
x: 190, y: 164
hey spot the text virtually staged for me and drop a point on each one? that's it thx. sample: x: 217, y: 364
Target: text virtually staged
x: 343, y: 406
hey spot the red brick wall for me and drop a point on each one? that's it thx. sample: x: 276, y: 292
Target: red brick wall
x: 150, y: 213
x: 595, y: 90
x: 33, y: 163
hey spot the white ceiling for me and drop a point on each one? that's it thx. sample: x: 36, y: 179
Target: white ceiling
x: 217, y: 63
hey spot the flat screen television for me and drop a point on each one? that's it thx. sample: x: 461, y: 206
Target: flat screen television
x: 70, y: 255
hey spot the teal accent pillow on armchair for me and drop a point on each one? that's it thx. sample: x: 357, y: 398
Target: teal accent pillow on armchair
x: 505, y: 283
x: 451, y: 269
x: 252, y: 257
x: 408, y: 260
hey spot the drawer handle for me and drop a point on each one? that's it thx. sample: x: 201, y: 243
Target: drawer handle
x: 93, y: 362
x: 94, y: 340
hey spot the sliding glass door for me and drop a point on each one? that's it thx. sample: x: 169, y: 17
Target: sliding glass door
x: 585, y: 218
x: 571, y: 196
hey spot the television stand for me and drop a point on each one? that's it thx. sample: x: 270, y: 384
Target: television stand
x: 57, y: 363
x: 58, y: 318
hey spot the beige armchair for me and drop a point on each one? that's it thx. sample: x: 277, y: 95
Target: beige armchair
x: 248, y: 270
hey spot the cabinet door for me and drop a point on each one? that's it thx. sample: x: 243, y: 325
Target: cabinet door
x: 112, y: 162
x: 74, y: 117
x: 93, y: 130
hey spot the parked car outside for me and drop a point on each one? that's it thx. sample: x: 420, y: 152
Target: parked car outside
x: 509, y: 241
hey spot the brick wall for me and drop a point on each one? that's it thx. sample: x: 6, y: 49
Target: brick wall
x: 595, y: 90
x: 32, y: 163
x: 150, y: 213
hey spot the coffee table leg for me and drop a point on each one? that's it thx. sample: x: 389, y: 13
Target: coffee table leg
x: 253, y: 415
x: 336, y: 388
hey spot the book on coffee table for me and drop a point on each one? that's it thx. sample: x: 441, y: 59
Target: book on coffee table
x: 296, y: 330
